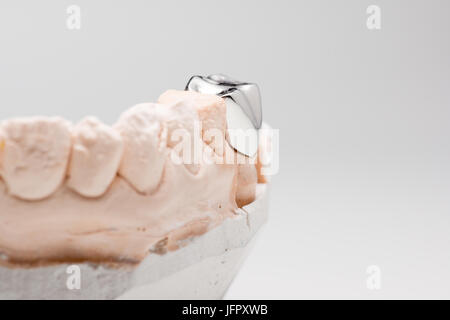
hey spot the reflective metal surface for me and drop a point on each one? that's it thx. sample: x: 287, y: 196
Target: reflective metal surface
x: 244, y: 110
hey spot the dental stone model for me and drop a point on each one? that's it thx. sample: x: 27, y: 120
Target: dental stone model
x: 113, y: 203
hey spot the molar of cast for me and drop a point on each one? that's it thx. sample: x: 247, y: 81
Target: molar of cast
x: 145, y: 146
x: 35, y: 156
x: 96, y: 154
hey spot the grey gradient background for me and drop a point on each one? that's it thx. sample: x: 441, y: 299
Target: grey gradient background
x: 363, y: 116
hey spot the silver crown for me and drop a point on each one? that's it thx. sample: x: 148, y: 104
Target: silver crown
x: 244, y: 110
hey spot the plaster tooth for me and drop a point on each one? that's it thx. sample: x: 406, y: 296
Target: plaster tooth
x: 96, y: 153
x: 145, y: 145
x: 211, y: 111
x: 184, y: 135
x: 35, y: 155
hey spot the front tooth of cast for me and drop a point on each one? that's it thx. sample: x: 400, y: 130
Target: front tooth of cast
x: 145, y: 146
x: 35, y: 156
x: 96, y: 153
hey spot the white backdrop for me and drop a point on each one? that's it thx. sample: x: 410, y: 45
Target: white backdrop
x: 363, y: 118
